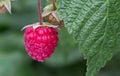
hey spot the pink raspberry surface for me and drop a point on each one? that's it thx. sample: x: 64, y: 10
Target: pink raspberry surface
x: 40, y: 43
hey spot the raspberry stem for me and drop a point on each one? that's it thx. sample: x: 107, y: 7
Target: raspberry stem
x: 39, y: 12
x: 54, y: 6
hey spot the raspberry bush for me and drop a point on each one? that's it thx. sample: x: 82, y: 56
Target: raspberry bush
x: 94, y: 24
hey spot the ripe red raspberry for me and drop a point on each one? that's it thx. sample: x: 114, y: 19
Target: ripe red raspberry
x: 40, y: 43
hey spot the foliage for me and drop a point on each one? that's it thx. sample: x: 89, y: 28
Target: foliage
x: 95, y: 24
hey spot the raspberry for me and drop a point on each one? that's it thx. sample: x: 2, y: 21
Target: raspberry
x: 40, y: 43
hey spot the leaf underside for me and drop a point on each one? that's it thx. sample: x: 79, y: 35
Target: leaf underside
x: 96, y: 26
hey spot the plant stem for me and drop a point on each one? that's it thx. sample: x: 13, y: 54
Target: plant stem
x: 54, y: 6
x: 40, y: 12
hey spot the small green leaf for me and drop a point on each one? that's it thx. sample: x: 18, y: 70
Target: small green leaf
x: 96, y: 26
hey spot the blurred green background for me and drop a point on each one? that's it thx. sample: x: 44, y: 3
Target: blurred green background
x: 66, y: 61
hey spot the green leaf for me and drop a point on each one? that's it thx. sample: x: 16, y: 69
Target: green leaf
x: 96, y: 26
